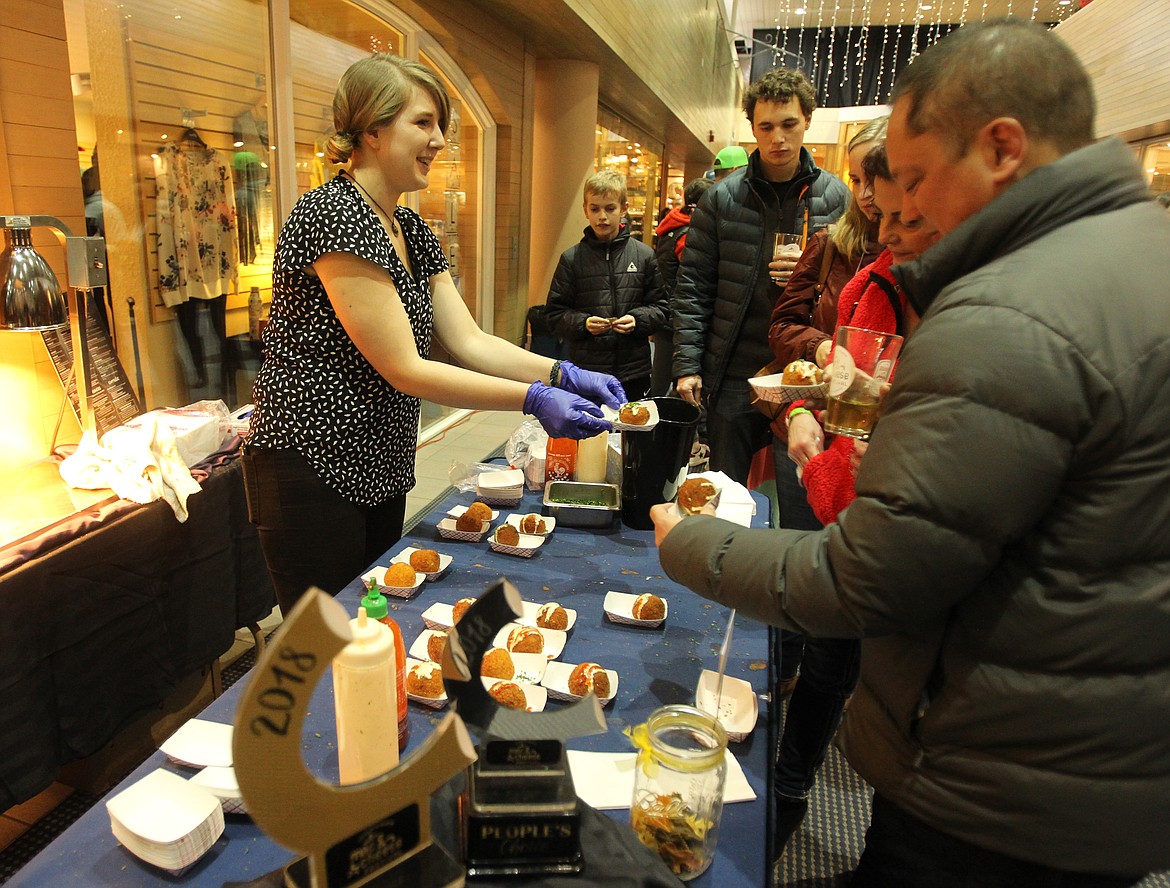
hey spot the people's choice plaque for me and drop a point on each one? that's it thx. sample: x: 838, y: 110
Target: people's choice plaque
x: 376, y: 833
x: 519, y: 811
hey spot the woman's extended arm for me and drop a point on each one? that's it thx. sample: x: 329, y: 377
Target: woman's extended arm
x: 374, y: 317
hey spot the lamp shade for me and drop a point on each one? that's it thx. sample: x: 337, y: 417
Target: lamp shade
x: 32, y: 297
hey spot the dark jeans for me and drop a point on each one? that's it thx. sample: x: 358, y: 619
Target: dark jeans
x: 661, y: 379
x: 636, y: 388
x: 829, y: 667
x: 310, y: 534
x: 735, y: 429
x: 903, y: 852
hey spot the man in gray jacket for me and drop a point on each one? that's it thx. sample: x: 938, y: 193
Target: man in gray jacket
x: 1007, y: 557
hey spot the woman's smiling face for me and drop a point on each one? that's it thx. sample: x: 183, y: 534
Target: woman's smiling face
x: 407, y: 145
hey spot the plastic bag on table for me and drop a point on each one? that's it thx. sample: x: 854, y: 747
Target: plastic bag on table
x: 525, y: 449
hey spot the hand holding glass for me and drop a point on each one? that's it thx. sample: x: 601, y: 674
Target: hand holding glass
x: 786, y: 247
x: 863, y: 362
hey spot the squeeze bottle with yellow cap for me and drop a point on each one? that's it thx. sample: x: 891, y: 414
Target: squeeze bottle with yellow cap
x: 365, y: 700
x: 377, y: 608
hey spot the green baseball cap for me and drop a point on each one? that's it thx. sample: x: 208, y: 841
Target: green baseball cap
x: 730, y: 158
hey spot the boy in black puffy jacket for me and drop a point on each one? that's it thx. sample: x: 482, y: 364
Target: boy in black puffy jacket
x: 607, y: 298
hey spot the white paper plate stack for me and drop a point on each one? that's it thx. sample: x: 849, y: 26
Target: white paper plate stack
x: 207, y: 745
x: 502, y: 488
x: 166, y: 820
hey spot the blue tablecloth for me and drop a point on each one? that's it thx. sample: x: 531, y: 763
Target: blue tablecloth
x: 575, y: 567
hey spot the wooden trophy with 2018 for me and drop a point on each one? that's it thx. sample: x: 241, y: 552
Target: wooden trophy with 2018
x: 518, y: 813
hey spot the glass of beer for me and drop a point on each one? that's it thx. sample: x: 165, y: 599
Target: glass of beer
x: 863, y: 362
x: 786, y: 246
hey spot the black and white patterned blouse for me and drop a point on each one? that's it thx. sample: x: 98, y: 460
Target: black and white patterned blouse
x: 315, y: 392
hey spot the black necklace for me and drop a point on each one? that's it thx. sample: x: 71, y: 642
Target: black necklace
x: 393, y: 224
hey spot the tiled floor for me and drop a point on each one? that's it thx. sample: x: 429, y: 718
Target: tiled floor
x: 467, y: 440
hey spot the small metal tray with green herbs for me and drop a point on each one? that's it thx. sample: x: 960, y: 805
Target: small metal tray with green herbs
x: 582, y: 504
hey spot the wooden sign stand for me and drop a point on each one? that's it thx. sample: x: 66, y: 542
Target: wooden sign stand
x: 376, y: 833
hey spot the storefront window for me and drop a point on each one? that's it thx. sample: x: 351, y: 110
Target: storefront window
x: 172, y: 119
x: 174, y: 101
x: 641, y: 166
x: 1155, y: 160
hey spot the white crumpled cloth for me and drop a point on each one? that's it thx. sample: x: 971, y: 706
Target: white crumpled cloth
x: 138, y: 463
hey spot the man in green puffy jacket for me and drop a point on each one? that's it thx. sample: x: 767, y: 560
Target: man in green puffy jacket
x: 1007, y: 557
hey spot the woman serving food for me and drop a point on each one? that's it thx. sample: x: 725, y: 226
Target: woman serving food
x: 360, y: 286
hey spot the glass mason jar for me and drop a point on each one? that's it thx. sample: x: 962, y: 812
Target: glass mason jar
x: 678, y: 787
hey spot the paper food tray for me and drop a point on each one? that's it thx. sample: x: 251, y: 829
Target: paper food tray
x: 535, y: 696
x: 418, y: 648
x: 439, y: 616
x: 221, y: 783
x: 618, y: 607
x: 612, y: 415
x: 770, y: 388
x: 506, y: 497
x: 525, y: 547
x: 501, y: 479
x: 556, y: 681
x: 406, y: 592
x: 444, y: 562
x: 430, y: 702
x: 200, y: 744
x: 738, y: 705
x: 550, y: 522
x: 166, y: 820
x: 529, y: 610
x: 456, y: 511
x: 448, y: 530
x: 554, y: 640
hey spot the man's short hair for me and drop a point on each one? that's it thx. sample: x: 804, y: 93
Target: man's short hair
x: 780, y: 85
x: 604, y: 184
x: 694, y: 191
x: 1006, y: 67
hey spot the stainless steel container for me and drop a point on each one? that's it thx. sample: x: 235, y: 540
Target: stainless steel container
x: 582, y: 504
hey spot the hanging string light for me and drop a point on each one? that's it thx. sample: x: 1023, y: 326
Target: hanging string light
x: 882, y: 62
x: 832, y: 42
x: 914, y: 35
x: 848, y: 46
x: 864, y: 44
x: 897, y: 45
x: 963, y: 13
x: 816, y: 59
x: 1035, y: 10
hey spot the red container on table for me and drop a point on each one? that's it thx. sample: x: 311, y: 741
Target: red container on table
x: 560, y: 459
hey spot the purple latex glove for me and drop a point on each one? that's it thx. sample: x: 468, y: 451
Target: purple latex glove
x: 601, y: 388
x: 562, y: 414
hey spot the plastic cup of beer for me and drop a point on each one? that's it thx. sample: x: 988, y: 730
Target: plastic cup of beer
x: 863, y: 362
